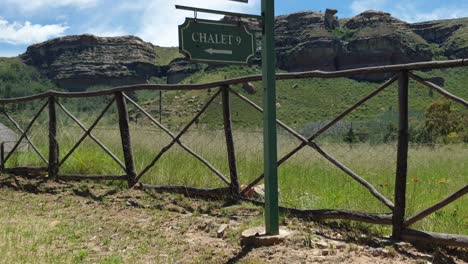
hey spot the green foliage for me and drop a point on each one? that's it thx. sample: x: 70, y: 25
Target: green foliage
x: 344, y: 34
x: 442, y: 121
x: 18, y: 79
x: 350, y: 136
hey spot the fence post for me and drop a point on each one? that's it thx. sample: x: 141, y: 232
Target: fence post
x: 402, y: 157
x: 2, y: 156
x: 229, y: 140
x: 125, y: 137
x: 53, y: 145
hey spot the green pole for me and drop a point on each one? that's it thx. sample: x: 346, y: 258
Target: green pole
x: 269, y: 124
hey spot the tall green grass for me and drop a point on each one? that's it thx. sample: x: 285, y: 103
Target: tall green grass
x: 306, y: 181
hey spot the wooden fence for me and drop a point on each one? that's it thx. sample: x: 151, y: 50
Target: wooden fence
x: 402, y: 74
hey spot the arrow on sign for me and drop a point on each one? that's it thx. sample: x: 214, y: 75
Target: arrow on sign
x: 216, y: 51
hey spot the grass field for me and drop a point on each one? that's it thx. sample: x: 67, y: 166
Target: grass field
x: 307, y: 181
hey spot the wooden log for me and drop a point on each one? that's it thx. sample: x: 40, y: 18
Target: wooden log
x: 174, y: 137
x: 99, y: 143
x: 324, y: 214
x: 189, y: 191
x: 439, y: 89
x: 353, y: 175
x: 125, y: 138
x: 402, y: 157
x: 104, y: 111
x: 26, y: 137
x: 436, y: 206
x: 176, y: 140
x: 300, y: 137
x: 434, y: 238
x: 25, y: 132
x: 28, y: 169
x: 80, y: 177
x: 2, y: 157
x: 53, y: 144
x: 352, y: 108
x: 229, y: 140
x: 283, y: 76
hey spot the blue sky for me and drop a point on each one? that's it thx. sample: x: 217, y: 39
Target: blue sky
x: 25, y: 22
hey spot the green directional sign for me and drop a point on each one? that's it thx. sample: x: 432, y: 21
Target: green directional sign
x: 216, y: 41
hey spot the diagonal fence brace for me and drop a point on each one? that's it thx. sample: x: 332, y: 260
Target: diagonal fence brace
x: 26, y: 137
x: 176, y: 139
x: 88, y: 132
x: 307, y: 142
x: 83, y: 127
x: 25, y: 132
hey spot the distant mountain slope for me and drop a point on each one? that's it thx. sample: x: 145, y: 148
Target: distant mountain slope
x: 304, y: 41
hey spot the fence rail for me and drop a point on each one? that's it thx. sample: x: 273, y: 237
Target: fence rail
x: 398, y: 219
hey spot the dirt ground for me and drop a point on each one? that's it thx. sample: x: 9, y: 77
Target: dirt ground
x: 57, y: 222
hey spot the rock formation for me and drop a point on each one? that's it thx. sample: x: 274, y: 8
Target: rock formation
x: 331, y: 21
x: 79, y: 62
x: 304, y: 41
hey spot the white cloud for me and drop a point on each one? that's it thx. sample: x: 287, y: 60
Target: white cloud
x: 359, y: 6
x: 410, y: 12
x: 34, y: 5
x: 160, y: 19
x: 108, y: 31
x: 28, y: 33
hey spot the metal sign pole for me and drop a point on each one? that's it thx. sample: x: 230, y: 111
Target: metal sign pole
x: 269, y: 124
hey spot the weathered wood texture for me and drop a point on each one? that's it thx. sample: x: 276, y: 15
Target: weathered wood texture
x: 323, y: 214
x: 176, y: 139
x: 79, y: 177
x: 88, y: 132
x: 26, y: 137
x: 229, y: 140
x: 402, y: 157
x: 99, y: 143
x: 308, y: 142
x: 318, y: 133
x: 53, y: 144
x: 25, y: 132
x: 436, y: 206
x: 435, y: 238
x: 26, y: 170
x: 2, y: 156
x: 253, y: 78
x: 439, y: 89
x: 189, y: 191
x: 125, y: 138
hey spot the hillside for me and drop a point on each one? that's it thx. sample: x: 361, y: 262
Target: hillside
x: 304, y: 41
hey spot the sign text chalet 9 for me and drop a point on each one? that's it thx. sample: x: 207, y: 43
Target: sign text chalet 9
x: 216, y: 41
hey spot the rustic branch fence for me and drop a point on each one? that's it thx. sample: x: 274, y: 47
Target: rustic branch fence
x: 402, y: 74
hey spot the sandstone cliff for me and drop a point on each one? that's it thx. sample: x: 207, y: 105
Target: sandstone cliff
x: 304, y: 41
x: 78, y: 62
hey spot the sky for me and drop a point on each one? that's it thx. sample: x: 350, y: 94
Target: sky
x: 26, y: 22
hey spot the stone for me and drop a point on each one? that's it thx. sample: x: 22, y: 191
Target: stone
x: 338, y: 245
x: 78, y: 62
x: 325, y: 252
x: 256, y: 237
x: 249, y: 88
x: 54, y: 223
x: 331, y: 21
x: 321, y: 244
x: 221, y: 230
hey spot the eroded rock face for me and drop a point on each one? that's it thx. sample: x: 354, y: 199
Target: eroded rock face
x: 331, y: 21
x: 369, y: 39
x: 79, y: 62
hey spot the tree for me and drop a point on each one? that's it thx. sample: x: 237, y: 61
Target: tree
x: 350, y: 137
x: 441, y: 120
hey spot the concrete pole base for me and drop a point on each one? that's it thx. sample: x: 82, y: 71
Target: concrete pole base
x: 256, y: 237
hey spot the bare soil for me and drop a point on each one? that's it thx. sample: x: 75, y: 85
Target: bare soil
x: 48, y: 222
